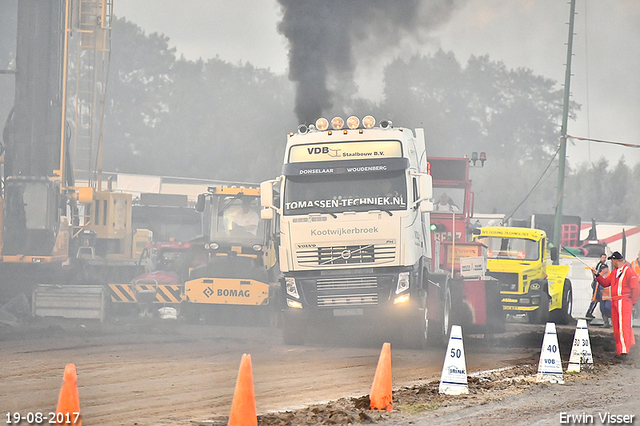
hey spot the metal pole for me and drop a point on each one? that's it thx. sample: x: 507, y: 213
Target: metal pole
x: 65, y: 63
x: 557, y: 226
x: 453, y: 245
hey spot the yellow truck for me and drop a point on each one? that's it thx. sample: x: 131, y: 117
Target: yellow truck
x: 521, y: 260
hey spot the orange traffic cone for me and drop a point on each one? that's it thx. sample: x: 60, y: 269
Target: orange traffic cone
x: 243, y: 407
x: 68, y: 409
x: 380, y: 394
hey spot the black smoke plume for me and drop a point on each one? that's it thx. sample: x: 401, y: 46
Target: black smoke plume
x: 322, y: 35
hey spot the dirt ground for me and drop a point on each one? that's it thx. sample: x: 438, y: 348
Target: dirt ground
x: 510, y: 396
x: 156, y: 372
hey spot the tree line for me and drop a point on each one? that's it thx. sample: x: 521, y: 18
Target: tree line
x: 166, y: 115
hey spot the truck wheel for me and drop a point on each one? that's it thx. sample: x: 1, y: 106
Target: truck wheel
x: 190, y: 312
x: 540, y: 315
x: 292, y: 334
x: 447, y: 315
x: 275, y: 319
x: 438, y: 332
x: 415, y: 336
x: 563, y: 315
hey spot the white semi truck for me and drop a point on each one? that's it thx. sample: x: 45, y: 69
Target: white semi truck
x: 353, y: 205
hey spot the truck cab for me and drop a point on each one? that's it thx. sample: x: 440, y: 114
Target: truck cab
x: 453, y: 199
x: 520, y: 259
x: 353, y: 204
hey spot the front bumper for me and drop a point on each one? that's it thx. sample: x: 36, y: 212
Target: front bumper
x: 513, y: 303
x: 352, y: 295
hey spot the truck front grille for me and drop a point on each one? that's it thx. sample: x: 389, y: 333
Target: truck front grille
x: 347, y: 283
x: 342, y: 255
x: 508, y: 280
x: 346, y: 292
x: 334, y: 301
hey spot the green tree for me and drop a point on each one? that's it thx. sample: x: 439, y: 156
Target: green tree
x: 140, y: 81
x: 587, y: 191
x: 217, y: 120
x: 603, y: 193
x: 204, y: 119
x: 511, y: 115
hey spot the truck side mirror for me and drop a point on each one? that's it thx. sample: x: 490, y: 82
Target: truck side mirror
x: 266, y: 214
x: 200, y: 203
x: 426, y: 206
x: 426, y: 187
x: 266, y: 195
x: 426, y: 193
x: 553, y: 251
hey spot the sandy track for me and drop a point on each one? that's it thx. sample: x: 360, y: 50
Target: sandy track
x: 154, y: 373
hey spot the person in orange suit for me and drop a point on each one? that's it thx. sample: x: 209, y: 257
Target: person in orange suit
x: 636, y: 265
x: 624, y: 294
x: 605, y: 300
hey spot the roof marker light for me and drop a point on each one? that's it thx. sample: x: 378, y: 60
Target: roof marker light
x: 353, y: 122
x: 322, y: 124
x: 337, y: 123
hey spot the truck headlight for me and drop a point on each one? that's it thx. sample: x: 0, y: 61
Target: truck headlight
x: 401, y: 299
x: 291, y: 288
x: 294, y: 304
x: 524, y: 300
x: 403, y: 282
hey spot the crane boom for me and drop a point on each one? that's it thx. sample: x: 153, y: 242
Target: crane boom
x: 52, y: 159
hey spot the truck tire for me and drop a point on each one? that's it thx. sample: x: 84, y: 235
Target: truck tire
x: 563, y: 315
x: 438, y: 332
x: 540, y: 315
x: 447, y: 315
x: 190, y: 312
x: 292, y: 334
x: 416, y: 334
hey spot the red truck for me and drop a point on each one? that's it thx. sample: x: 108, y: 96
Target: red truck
x: 451, y: 230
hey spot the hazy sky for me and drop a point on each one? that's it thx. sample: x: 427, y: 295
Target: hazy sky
x: 520, y: 33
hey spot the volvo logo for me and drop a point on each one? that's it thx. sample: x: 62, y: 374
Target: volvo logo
x: 346, y: 254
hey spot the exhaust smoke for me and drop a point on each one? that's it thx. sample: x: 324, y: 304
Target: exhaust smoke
x: 322, y: 35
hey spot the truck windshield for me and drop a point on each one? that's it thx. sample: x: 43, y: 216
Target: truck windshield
x: 449, y: 200
x: 345, y: 192
x: 511, y: 248
x: 236, y: 219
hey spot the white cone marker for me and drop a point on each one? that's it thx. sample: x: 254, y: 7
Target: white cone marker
x: 581, y: 355
x: 454, y: 371
x: 550, y: 366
